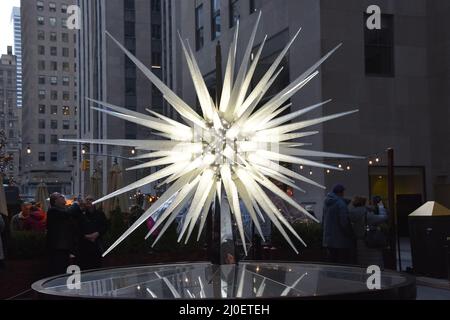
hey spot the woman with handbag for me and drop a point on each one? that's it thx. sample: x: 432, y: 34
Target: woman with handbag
x: 370, y: 238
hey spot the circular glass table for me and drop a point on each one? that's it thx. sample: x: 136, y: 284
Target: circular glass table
x: 246, y: 280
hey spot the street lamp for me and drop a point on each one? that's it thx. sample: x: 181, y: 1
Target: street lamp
x: 28, y: 149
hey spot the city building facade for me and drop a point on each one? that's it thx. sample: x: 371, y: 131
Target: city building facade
x: 49, y: 96
x: 10, y: 118
x: 16, y: 24
x: 106, y: 74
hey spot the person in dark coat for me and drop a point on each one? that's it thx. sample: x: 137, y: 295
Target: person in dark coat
x: 60, y: 235
x: 93, y: 226
x: 363, y: 218
x: 338, y: 237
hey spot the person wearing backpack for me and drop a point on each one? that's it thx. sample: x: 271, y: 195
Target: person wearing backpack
x: 370, y: 240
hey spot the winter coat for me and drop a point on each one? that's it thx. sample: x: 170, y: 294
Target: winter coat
x: 61, y: 229
x: 37, y: 221
x: 18, y: 222
x: 366, y: 256
x: 337, y: 229
x: 358, y: 220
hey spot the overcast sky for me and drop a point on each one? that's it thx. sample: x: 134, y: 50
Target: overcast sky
x: 6, y: 36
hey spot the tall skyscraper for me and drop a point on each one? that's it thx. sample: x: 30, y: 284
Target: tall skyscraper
x: 106, y: 74
x: 49, y: 95
x: 16, y: 22
x: 9, y: 113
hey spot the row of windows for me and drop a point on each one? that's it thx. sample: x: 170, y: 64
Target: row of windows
x: 54, y: 125
x: 216, y: 20
x: 53, y: 80
x: 53, y: 36
x: 54, y: 51
x: 52, y: 21
x: 53, y: 156
x: 65, y: 110
x: 42, y: 139
x: 53, y: 66
x: 54, y: 95
x: 51, y: 6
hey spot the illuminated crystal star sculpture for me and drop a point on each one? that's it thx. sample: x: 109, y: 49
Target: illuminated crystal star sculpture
x: 236, y: 144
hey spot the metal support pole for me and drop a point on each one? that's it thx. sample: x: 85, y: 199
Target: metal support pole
x: 393, y: 221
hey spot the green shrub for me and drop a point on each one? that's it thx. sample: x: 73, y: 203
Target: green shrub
x: 310, y: 232
x: 27, y: 245
x: 136, y: 243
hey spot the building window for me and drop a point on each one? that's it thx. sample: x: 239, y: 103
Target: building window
x: 66, y: 110
x: 41, y: 65
x: 156, y: 60
x: 42, y: 94
x: 54, y: 95
x: 41, y: 80
x: 75, y: 125
x: 156, y: 5
x: 379, y: 47
x: 53, y: 156
x: 53, y: 81
x: 215, y: 19
x: 130, y: 30
x: 234, y: 12
x: 52, y: 21
x: 41, y: 50
x: 42, y: 108
x: 52, y: 7
x: 65, y: 52
x: 66, y: 96
x: 65, y: 37
x: 66, y: 124
x: 41, y: 35
x: 40, y: 5
x: 255, y: 5
x: 156, y: 32
x: 40, y: 20
x: 41, y: 156
x: 53, y: 65
x: 53, y: 36
x: 199, y: 27
x: 64, y: 23
x: 41, y: 124
x: 64, y: 8
x: 41, y: 138
x: 65, y: 81
x: 53, y: 110
x: 129, y: 5
x: 54, y: 124
x: 54, y: 139
x: 66, y: 66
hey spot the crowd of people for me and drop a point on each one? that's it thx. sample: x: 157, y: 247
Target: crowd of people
x: 73, y: 233
x: 352, y: 231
